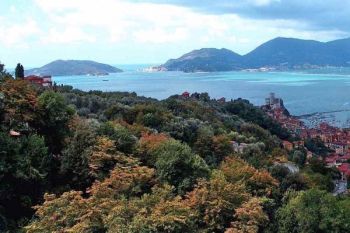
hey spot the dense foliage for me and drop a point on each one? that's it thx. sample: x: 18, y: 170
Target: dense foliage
x: 73, y: 161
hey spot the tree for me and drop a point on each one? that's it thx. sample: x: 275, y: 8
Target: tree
x: 298, y: 157
x: 254, y: 154
x: 1, y: 67
x: 279, y: 172
x: 23, y: 172
x: 124, y: 140
x: 75, y: 157
x: 316, y: 146
x: 67, y: 213
x: 53, y: 118
x: 3, y: 74
x: 178, y: 166
x: 19, y: 72
x: 215, y: 201
x: 72, y: 212
x: 159, y: 211
x: 213, y: 149
x: 294, y: 182
x: 314, y: 211
x: 148, y: 144
x: 20, y: 104
x: 250, y: 217
x: 258, y: 182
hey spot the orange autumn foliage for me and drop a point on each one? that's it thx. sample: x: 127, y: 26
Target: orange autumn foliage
x: 123, y: 181
x: 150, y: 142
x: 259, y: 182
x: 215, y: 200
x: 20, y: 101
x: 249, y: 217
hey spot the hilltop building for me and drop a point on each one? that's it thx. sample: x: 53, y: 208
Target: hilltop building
x: 273, y: 102
x: 186, y: 94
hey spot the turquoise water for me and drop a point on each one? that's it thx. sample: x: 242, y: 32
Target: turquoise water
x: 302, y: 93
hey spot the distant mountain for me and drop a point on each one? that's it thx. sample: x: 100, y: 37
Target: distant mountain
x: 73, y: 67
x: 279, y: 53
x: 206, y: 59
x: 296, y: 53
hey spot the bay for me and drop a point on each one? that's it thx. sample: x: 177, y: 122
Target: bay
x: 303, y: 93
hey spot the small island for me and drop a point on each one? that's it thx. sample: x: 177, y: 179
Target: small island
x: 74, y: 67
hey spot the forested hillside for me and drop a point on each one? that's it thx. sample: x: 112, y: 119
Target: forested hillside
x: 74, y: 161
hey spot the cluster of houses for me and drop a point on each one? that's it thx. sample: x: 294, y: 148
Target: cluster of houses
x: 336, y: 139
x: 341, y: 162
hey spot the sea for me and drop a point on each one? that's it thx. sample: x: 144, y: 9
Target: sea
x: 316, y: 96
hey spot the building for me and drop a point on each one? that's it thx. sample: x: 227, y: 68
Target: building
x: 339, y: 147
x: 44, y: 81
x: 273, y: 102
x: 298, y: 144
x: 336, y: 160
x: 14, y: 133
x: 288, y: 145
x: 186, y: 94
x: 238, y: 147
x: 344, y: 169
x: 222, y: 100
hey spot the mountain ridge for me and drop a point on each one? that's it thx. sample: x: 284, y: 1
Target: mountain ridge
x: 279, y: 53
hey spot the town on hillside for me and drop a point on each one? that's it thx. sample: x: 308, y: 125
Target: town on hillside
x: 337, y: 140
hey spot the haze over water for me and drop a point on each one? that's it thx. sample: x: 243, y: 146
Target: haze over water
x: 303, y: 93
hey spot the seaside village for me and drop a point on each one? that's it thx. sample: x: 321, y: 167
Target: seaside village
x: 336, y: 139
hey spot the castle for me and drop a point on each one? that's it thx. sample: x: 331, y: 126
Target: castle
x: 273, y: 102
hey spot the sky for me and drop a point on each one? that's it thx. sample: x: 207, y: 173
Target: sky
x: 36, y: 32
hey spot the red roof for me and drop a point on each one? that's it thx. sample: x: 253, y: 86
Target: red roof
x: 344, y: 168
x: 39, y: 80
x: 186, y: 94
x: 33, y: 78
x: 334, y: 157
x: 331, y: 159
x: 287, y: 143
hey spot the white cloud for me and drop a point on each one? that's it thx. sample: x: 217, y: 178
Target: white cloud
x: 13, y: 9
x: 18, y: 34
x: 158, y: 35
x: 136, y: 24
x: 68, y: 35
x: 139, y: 22
x: 262, y: 2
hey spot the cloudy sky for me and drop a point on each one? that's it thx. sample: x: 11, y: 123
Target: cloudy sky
x: 35, y: 32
